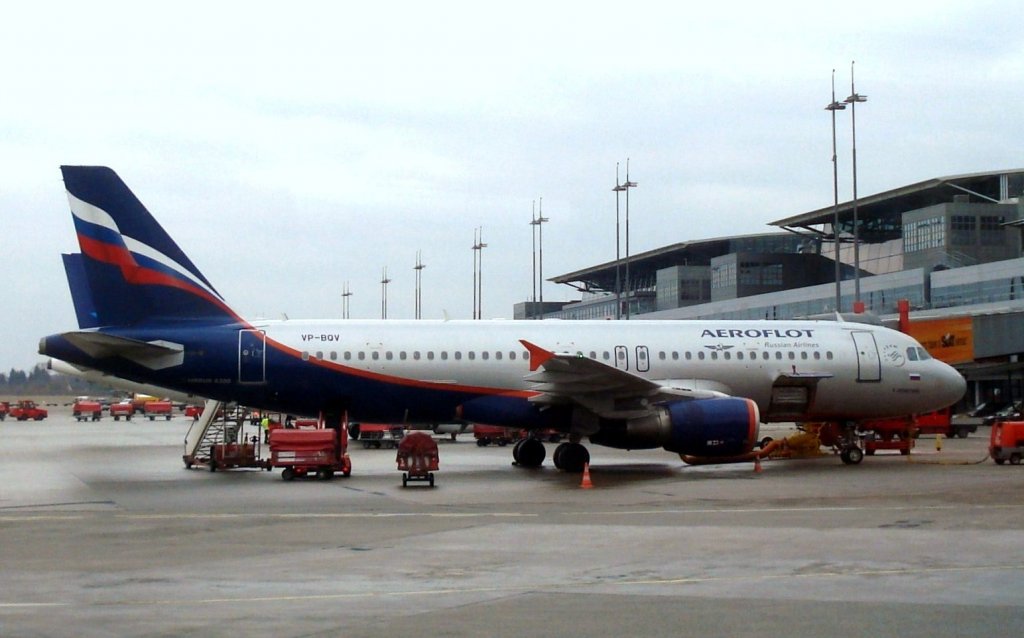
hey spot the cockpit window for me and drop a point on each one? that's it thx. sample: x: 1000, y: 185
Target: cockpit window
x: 917, y: 353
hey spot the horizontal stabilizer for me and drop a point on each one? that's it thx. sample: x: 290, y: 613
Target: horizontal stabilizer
x: 155, y: 355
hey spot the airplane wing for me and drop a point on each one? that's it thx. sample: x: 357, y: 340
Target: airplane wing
x: 607, y: 391
x: 155, y: 355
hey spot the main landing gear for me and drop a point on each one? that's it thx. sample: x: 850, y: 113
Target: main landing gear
x: 570, y: 456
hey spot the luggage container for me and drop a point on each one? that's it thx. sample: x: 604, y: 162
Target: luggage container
x: 417, y: 458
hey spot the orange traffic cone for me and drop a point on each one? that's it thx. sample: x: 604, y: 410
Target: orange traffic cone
x: 586, y: 484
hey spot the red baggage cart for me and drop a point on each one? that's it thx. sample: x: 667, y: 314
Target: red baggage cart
x: 417, y: 458
x: 300, y: 452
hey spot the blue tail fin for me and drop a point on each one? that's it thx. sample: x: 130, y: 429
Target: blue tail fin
x: 130, y: 271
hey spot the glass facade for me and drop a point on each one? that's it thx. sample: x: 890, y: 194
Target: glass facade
x: 924, y: 234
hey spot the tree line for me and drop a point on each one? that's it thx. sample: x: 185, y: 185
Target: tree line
x: 38, y: 381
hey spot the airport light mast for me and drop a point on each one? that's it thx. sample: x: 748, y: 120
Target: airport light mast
x: 384, y: 281
x: 618, y: 284
x: 852, y: 101
x: 478, y: 272
x: 538, y: 223
x: 834, y: 106
x: 419, y: 281
x: 628, y: 185
x: 346, y: 293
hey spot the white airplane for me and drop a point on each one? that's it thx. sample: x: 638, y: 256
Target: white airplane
x: 696, y: 388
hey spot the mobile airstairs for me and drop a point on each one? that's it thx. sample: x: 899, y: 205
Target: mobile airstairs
x: 219, y: 441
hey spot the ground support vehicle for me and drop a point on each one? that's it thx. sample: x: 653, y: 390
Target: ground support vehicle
x: 889, y: 434
x: 87, y: 410
x: 301, y: 452
x: 378, y: 435
x: 417, y: 458
x: 941, y: 422
x: 232, y: 455
x: 1006, y: 443
x: 27, y: 410
x: 123, y: 409
x: 154, y: 409
x: 487, y: 434
x: 4, y: 409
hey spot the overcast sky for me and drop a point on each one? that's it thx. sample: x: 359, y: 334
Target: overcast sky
x: 292, y: 147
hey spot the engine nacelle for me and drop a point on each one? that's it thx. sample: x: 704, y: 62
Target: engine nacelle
x: 720, y: 427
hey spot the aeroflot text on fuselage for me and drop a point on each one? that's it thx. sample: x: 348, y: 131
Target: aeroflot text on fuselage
x: 758, y: 333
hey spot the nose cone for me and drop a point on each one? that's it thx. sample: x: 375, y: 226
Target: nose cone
x: 952, y: 384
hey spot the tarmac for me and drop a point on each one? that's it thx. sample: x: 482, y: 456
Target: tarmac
x: 103, y: 532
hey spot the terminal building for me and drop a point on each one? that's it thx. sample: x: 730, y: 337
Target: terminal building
x: 950, y: 246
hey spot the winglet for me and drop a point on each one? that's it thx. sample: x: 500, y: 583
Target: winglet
x: 538, y: 355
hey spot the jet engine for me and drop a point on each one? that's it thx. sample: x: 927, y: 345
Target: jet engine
x: 719, y: 427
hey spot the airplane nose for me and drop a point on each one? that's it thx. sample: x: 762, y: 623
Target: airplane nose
x: 954, y: 386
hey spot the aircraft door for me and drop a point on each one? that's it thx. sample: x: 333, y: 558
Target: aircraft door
x: 252, y: 356
x: 622, y: 357
x: 869, y: 364
x: 643, y: 362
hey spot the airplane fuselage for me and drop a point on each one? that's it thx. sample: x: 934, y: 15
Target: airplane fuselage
x: 421, y: 371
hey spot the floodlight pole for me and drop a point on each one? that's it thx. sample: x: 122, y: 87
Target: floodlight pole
x: 384, y: 281
x: 533, y: 230
x: 540, y: 252
x: 852, y: 101
x: 835, y: 106
x: 628, y: 185
x: 345, y: 294
x: 618, y: 285
x: 478, y: 272
x: 419, y: 283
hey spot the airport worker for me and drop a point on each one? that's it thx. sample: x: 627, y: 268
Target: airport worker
x: 265, y: 424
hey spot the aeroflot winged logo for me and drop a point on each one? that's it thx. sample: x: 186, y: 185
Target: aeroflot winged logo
x: 759, y: 333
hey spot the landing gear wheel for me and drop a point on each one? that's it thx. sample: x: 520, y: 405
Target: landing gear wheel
x: 557, y: 456
x: 852, y: 455
x: 531, y: 453
x: 573, y: 457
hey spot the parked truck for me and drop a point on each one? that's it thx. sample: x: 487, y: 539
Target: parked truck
x: 26, y: 410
